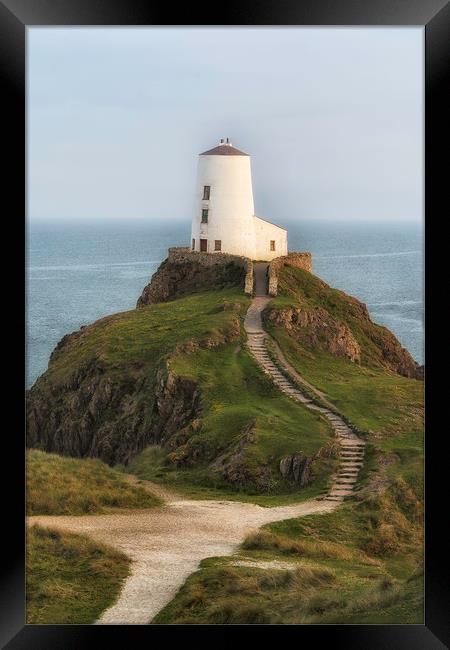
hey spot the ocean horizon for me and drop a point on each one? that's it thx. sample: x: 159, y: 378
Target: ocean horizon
x: 80, y: 271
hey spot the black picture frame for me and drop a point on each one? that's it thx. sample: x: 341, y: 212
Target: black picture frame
x: 15, y: 17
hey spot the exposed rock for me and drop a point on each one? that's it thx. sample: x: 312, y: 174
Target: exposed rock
x: 394, y: 356
x: 328, y: 319
x: 185, y: 272
x: 301, y: 469
x: 316, y: 328
x: 297, y: 468
x: 286, y: 466
x: 233, y: 465
x: 109, y: 417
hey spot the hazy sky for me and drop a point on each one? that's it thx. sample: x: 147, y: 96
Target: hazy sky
x: 332, y: 118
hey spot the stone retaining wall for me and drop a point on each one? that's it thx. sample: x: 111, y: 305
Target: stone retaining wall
x: 182, y: 254
x: 299, y: 260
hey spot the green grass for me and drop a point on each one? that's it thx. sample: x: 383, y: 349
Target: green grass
x: 69, y: 578
x: 362, y: 563
x: 373, y: 399
x: 200, y: 483
x: 198, y: 337
x: 137, y: 340
x: 298, y: 287
x: 359, y: 564
x: 235, y: 393
x: 58, y: 485
x: 370, y: 396
x: 380, y: 403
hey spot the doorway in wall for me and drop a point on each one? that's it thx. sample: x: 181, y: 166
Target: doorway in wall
x: 203, y: 245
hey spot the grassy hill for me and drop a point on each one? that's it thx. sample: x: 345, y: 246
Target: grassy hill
x: 58, y: 485
x: 362, y: 563
x: 237, y: 400
x: 170, y: 393
x: 321, y: 318
x: 385, y: 405
x: 103, y: 393
x: 70, y: 578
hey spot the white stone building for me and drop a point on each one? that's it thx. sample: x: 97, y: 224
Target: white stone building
x: 225, y: 217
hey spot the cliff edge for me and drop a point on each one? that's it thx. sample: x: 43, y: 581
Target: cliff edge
x: 176, y: 374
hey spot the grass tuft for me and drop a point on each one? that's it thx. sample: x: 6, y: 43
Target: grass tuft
x: 70, y: 578
x: 57, y: 485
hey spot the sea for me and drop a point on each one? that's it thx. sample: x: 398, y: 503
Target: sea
x: 80, y: 271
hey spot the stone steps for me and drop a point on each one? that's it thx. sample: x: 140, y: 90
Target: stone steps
x: 351, y: 451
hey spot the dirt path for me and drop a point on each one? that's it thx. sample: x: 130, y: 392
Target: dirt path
x: 166, y: 544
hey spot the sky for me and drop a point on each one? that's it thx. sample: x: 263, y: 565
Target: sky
x: 332, y: 118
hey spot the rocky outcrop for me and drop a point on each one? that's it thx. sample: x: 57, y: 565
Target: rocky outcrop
x: 185, y: 272
x: 297, y: 468
x: 297, y: 260
x: 99, y: 415
x: 91, y: 403
x: 234, y: 467
x: 95, y: 402
x: 322, y: 318
x: 394, y: 356
x: 316, y: 328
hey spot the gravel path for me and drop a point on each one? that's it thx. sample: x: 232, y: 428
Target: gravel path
x: 167, y: 543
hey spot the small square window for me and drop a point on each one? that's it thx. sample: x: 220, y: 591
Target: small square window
x: 193, y: 244
x: 272, y: 244
x: 217, y: 244
x: 206, y: 192
x: 205, y: 216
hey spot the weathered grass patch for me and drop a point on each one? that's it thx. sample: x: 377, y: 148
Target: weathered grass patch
x: 341, y: 576
x: 57, y: 485
x: 70, y: 579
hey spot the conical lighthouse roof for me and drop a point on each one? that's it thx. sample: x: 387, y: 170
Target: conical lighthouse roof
x: 224, y: 148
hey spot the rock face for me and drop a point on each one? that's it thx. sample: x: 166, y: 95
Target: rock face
x: 99, y: 416
x: 95, y: 405
x: 322, y: 318
x: 234, y: 468
x: 316, y: 328
x: 297, y: 468
x: 185, y: 271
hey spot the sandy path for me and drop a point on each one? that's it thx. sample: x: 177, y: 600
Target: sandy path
x: 167, y: 543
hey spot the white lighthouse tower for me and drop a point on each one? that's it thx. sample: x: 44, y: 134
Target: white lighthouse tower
x: 225, y: 219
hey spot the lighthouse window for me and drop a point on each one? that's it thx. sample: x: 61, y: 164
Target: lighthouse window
x: 206, y: 191
x: 217, y: 244
x: 204, y: 216
x: 272, y: 244
x: 193, y: 244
